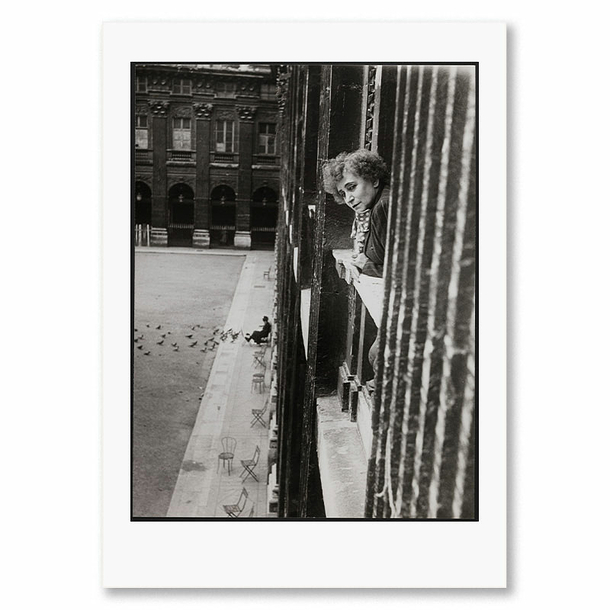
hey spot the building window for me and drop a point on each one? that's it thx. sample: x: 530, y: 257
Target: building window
x: 141, y: 84
x: 182, y: 86
x: 225, y: 89
x: 225, y: 136
x: 141, y: 131
x: 182, y: 134
x: 266, y: 138
x: 268, y: 92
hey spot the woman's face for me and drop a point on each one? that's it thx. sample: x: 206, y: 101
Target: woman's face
x: 359, y: 193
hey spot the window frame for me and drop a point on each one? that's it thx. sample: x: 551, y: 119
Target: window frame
x: 179, y: 143
x: 217, y: 143
x: 142, y: 132
x: 265, y: 136
x: 182, y: 86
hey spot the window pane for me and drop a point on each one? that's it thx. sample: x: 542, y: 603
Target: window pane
x: 142, y: 138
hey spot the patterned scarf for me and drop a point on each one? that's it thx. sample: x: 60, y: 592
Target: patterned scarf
x: 360, y: 227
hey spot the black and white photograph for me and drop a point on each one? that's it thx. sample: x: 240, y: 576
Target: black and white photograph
x: 298, y: 349
x: 304, y: 291
x: 303, y: 305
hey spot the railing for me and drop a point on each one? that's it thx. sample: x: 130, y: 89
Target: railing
x: 183, y: 156
x: 222, y: 228
x: 180, y: 225
x: 263, y: 229
x: 221, y: 157
x: 142, y: 235
x: 143, y: 155
x: 266, y: 159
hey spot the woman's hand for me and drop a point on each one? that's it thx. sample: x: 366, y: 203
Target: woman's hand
x: 361, y: 260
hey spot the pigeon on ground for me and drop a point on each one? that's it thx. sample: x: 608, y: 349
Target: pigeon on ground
x: 140, y: 346
x: 163, y: 335
x: 175, y: 344
x: 160, y: 342
x: 193, y: 344
x: 146, y: 353
x: 189, y: 336
x: 159, y: 327
x: 176, y: 349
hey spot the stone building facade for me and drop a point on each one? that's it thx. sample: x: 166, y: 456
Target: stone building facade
x: 206, y: 157
x: 406, y: 446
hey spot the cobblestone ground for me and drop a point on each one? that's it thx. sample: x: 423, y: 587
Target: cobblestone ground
x: 179, y: 299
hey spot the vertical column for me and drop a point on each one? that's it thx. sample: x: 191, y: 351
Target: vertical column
x: 159, y: 110
x: 201, y: 234
x: 339, y: 130
x: 244, y: 176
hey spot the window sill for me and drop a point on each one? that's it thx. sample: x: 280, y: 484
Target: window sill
x: 342, y: 461
x: 305, y: 308
x: 369, y: 288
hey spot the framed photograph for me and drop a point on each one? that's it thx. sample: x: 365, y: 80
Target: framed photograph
x: 304, y: 305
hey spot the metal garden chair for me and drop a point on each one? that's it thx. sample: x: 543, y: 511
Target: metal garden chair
x: 228, y: 452
x: 258, y: 382
x: 234, y: 510
x: 259, y: 357
x: 258, y: 415
x: 250, y: 465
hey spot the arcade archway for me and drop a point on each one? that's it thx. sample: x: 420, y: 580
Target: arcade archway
x: 142, y: 213
x: 181, y: 215
x: 223, y: 214
x: 263, y: 218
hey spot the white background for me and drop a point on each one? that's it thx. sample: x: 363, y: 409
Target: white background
x: 418, y: 554
x: 558, y: 214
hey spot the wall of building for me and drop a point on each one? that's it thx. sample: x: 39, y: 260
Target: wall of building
x: 201, y: 129
x: 405, y: 448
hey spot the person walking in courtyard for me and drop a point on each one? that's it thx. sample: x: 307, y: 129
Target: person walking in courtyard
x: 258, y: 335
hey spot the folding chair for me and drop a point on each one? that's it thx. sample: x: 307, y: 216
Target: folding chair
x: 234, y: 510
x: 250, y: 465
x: 258, y: 415
x: 228, y: 452
x: 259, y: 357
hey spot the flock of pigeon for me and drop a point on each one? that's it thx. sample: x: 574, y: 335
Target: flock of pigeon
x: 210, y: 344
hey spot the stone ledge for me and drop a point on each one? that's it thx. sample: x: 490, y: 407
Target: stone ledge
x: 341, y: 460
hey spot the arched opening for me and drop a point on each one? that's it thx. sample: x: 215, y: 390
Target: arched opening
x: 263, y: 218
x: 222, y: 226
x: 181, y: 216
x: 143, y: 213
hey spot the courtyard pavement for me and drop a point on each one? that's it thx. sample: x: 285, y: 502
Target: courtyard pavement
x: 204, y: 484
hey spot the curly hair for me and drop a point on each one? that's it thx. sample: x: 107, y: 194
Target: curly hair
x: 363, y: 163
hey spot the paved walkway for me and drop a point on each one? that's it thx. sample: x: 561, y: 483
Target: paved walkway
x: 203, y: 485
